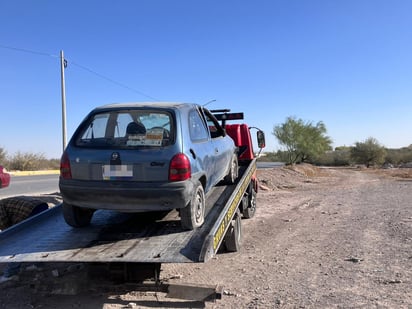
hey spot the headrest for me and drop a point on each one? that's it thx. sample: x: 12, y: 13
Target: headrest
x: 135, y: 128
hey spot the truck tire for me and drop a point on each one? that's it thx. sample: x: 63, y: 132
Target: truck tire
x: 76, y: 216
x: 233, y: 235
x: 233, y: 173
x: 250, y: 209
x: 193, y: 215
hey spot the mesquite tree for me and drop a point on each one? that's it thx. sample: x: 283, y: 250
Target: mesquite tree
x: 303, y: 141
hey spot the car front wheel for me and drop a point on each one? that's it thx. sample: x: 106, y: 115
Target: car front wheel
x: 193, y: 215
x: 76, y: 216
x: 233, y: 171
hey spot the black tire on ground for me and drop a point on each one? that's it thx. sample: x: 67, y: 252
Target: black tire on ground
x: 76, y: 216
x: 193, y: 215
x: 233, y: 237
x: 250, y: 209
x: 231, y: 177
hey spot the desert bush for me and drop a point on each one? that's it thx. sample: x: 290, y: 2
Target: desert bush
x: 338, y: 157
x: 369, y: 152
x: 3, y: 156
x: 269, y: 157
x: 399, y: 156
x: 30, y: 162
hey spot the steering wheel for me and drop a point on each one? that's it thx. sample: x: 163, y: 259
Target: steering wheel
x: 166, y: 133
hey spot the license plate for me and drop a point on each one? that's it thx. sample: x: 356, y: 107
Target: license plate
x: 117, y: 172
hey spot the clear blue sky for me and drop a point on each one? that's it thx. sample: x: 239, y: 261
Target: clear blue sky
x: 346, y: 63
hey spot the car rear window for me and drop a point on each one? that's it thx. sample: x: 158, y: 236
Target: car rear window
x: 127, y: 129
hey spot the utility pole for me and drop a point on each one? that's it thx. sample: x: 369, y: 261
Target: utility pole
x: 63, y: 65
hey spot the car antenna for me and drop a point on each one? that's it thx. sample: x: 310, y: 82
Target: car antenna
x: 207, y: 103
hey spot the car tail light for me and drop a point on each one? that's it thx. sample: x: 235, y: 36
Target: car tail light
x: 65, y: 171
x: 179, y: 168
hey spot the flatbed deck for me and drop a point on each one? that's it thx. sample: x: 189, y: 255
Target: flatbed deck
x: 119, y: 237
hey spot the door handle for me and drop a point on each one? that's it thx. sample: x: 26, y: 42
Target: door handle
x: 193, y: 153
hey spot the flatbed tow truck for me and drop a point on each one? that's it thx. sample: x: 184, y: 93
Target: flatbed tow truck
x: 132, y: 242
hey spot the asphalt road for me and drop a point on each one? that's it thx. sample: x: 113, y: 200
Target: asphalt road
x: 261, y: 165
x: 31, y: 185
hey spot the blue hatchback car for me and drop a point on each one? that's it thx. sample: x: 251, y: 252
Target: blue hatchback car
x: 144, y: 157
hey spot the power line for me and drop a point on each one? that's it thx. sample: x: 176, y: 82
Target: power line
x: 113, y: 81
x: 82, y: 67
x: 28, y: 51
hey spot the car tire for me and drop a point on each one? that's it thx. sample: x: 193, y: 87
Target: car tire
x: 231, y: 177
x: 250, y: 208
x: 193, y: 215
x: 76, y: 216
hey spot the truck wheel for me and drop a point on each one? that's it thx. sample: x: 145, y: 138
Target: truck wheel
x: 76, y: 216
x: 234, y: 234
x: 231, y: 177
x: 193, y: 215
x: 250, y: 209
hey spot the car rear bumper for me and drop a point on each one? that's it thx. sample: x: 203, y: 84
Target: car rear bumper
x: 126, y: 196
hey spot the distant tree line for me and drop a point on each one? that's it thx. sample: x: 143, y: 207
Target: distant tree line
x: 27, y: 161
x: 306, y: 142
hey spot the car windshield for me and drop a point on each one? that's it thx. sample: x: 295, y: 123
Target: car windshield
x: 127, y: 129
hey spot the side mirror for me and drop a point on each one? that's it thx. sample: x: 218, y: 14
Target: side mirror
x: 260, y: 135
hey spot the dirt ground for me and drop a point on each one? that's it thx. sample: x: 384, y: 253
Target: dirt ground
x: 321, y: 238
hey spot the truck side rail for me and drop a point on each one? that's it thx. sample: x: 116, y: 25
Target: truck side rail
x: 216, y: 235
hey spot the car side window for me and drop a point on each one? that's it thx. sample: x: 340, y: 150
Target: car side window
x: 123, y: 119
x: 96, y: 128
x: 213, y: 125
x: 197, y: 128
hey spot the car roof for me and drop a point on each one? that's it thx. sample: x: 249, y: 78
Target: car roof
x: 174, y: 105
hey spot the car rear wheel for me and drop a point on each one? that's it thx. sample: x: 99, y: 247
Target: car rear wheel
x: 193, y: 215
x: 233, y: 171
x: 76, y: 216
